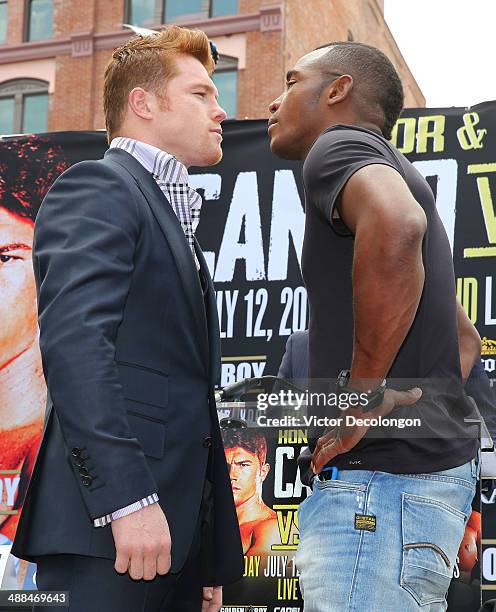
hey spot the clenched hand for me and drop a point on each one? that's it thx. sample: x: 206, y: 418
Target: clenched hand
x: 142, y: 543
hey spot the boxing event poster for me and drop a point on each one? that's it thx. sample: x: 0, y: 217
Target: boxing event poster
x: 251, y: 231
x: 267, y: 490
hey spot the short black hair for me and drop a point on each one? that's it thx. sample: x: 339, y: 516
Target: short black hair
x: 28, y: 167
x: 244, y: 438
x: 375, y: 78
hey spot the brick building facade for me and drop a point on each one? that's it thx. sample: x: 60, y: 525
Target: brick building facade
x: 64, y: 60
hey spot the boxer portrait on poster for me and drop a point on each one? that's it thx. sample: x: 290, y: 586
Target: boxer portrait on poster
x: 27, y: 170
x: 246, y: 456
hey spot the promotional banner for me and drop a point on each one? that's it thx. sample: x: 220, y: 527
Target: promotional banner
x: 251, y: 231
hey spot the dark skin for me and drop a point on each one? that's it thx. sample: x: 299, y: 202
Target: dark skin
x: 388, y: 273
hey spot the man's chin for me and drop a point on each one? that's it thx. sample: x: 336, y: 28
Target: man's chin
x: 284, y: 152
x: 212, y: 159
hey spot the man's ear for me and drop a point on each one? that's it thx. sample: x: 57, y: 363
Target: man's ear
x: 140, y: 103
x: 339, y: 89
x: 264, y: 470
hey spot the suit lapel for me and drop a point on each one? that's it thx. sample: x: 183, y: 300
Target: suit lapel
x: 213, y: 320
x: 173, y: 233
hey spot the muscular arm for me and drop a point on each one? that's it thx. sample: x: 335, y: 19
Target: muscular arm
x: 388, y: 273
x: 468, y: 340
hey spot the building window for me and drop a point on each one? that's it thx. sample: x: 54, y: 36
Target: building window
x: 183, y: 9
x: 218, y: 8
x: 39, y: 14
x: 23, y: 107
x: 141, y: 12
x: 148, y: 12
x: 35, y: 113
x: 225, y: 78
x: 7, y: 111
x: 3, y: 21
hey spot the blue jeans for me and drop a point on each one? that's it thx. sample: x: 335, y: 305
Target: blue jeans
x: 406, y: 563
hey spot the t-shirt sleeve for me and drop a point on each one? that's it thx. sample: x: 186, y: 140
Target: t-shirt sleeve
x: 332, y: 161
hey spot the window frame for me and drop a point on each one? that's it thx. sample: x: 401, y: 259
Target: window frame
x: 228, y: 63
x: 157, y: 12
x: 160, y: 10
x: 210, y: 10
x: 27, y: 22
x: 18, y: 89
x: 6, y: 2
x: 197, y: 16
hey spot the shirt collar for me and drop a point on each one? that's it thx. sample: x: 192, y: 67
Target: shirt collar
x: 162, y: 165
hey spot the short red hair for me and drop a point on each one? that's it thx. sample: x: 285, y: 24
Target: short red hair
x: 148, y: 62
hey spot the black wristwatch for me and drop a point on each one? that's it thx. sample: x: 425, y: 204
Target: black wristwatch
x: 374, y: 396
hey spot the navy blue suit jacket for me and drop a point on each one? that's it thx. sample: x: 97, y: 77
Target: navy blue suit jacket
x: 131, y: 354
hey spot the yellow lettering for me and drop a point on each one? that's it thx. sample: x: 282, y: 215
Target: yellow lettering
x: 287, y: 588
x: 486, y: 200
x: 466, y: 292
x: 252, y: 565
x: 468, y: 136
x: 408, y: 126
x: 287, y: 520
x: 292, y: 436
x: 431, y: 128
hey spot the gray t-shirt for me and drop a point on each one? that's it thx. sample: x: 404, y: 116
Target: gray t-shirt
x: 430, y: 351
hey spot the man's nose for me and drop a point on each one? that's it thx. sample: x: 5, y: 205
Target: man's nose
x: 219, y: 113
x: 275, y: 104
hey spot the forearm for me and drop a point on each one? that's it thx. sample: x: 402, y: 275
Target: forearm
x: 387, y: 286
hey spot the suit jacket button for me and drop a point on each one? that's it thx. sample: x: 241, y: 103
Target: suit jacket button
x: 207, y: 443
x: 83, y: 471
x: 75, y: 452
x: 87, y: 480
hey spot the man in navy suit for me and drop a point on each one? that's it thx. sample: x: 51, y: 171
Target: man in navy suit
x: 130, y: 505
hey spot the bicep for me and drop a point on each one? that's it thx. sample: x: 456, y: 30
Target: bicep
x: 377, y: 196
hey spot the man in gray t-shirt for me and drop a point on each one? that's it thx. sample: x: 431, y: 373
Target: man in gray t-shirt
x: 386, y: 509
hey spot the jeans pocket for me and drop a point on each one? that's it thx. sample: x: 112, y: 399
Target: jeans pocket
x: 431, y: 533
